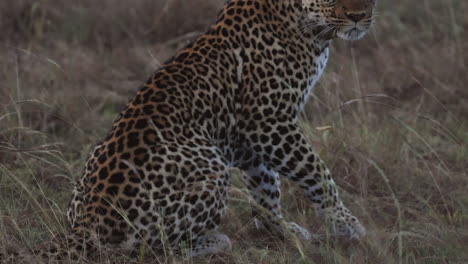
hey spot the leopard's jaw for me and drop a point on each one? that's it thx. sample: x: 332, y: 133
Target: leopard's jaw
x: 354, y: 33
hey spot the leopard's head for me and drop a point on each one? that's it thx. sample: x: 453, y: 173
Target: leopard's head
x: 346, y: 19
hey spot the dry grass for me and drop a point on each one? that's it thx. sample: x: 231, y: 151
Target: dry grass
x: 396, y: 105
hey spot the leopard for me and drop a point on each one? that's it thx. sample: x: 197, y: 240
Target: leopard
x: 230, y: 99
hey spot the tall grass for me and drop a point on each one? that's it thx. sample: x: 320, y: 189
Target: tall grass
x: 389, y: 117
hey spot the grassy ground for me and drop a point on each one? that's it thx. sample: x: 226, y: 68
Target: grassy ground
x: 390, y: 117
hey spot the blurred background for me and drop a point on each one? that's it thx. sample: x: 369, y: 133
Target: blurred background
x: 389, y: 116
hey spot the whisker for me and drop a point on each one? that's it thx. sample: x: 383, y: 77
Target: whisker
x: 323, y: 32
x: 336, y: 19
x: 307, y: 25
x: 310, y: 22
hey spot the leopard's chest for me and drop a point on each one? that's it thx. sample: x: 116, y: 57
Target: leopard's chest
x: 314, y: 73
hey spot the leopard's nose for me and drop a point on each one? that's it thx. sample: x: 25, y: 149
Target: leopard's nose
x: 355, y: 16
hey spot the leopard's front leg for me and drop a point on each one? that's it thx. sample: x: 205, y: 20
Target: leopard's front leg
x: 282, y: 147
x: 264, y: 187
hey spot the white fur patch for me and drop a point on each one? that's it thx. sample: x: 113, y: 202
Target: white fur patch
x: 312, y: 80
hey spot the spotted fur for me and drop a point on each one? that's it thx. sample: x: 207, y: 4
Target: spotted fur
x: 230, y: 99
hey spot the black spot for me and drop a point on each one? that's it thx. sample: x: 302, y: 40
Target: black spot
x: 125, y: 204
x: 112, y: 190
x: 311, y: 182
x: 130, y: 191
x: 132, y: 214
x: 117, y: 178
x: 132, y: 140
x: 319, y: 191
x: 171, y: 179
x: 112, y: 164
x: 141, y: 124
x: 103, y: 173
x: 146, y: 206
x: 99, y: 188
x: 102, y: 158
x: 144, y: 221
x: 111, y: 149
